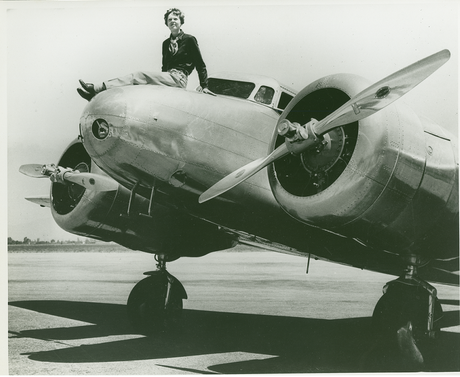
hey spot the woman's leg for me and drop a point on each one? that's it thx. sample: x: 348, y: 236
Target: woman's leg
x: 142, y: 78
x: 173, y: 78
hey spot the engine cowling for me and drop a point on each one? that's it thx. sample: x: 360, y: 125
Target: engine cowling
x: 389, y: 180
x: 104, y: 216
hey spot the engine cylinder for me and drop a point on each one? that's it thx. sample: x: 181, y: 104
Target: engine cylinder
x: 384, y: 180
x: 94, y: 214
x: 109, y: 216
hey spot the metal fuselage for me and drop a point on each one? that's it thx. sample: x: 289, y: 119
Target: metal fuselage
x: 157, y: 132
x: 188, y: 141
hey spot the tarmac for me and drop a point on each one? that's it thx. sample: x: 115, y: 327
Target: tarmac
x: 246, y: 313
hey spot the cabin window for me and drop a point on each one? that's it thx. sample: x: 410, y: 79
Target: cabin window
x: 240, y: 89
x: 264, y: 95
x: 284, y: 100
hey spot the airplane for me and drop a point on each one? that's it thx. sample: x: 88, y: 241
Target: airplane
x: 352, y: 177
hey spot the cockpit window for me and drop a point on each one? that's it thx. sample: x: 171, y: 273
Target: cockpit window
x: 284, y: 100
x: 240, y: 89
x: 265, y: 95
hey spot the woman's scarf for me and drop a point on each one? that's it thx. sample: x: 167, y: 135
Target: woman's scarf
x: 173, y: 46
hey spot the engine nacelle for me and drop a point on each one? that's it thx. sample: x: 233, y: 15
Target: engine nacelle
x: 104, y: 216
x: 389, y: 180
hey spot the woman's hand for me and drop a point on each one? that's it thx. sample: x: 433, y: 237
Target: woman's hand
x: 205, y: 90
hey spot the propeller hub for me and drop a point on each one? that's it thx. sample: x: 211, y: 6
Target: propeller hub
x: 48, y: 169
x: 287, y: 129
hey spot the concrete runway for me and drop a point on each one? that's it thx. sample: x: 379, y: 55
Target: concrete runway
x: 247, y: 312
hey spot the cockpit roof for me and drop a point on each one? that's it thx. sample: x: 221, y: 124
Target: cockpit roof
x: 259, y: 80
x: 254, y: 88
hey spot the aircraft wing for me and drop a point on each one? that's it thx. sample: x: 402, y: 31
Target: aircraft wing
x: 360, y: 256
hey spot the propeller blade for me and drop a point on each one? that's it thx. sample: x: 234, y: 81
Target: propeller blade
x: 382, y: 93
x: 89, y: 181
x: 33, y: 170
x: 92, y: 181
x: 242, y: 174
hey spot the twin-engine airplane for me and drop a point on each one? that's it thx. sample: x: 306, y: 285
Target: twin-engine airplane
x: 351, y: 179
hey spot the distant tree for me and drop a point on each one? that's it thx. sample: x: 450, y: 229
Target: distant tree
x: 13, y: 242
x: 27, y: 240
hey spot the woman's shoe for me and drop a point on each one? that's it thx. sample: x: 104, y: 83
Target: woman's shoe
x: 88, y: 87
x: 87, y: 96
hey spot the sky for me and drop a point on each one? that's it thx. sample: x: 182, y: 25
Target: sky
x: 48, y: 46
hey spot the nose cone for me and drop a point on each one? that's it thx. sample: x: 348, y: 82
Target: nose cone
x: 101, y: 122
x: 121, y: 131
x: 118, y: 115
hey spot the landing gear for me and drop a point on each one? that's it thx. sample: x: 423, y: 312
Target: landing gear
x: 155, y: 303
x: 406, y: 323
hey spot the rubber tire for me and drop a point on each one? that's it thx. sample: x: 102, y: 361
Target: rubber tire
x: 401, y: 314
x: 146, y: 305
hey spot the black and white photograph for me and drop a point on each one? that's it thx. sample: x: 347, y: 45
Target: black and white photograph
x: 230, y: 187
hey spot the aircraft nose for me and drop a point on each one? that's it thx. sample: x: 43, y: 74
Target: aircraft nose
x: 119, y: 125
x: 134, y: 130
x: 104, y: 121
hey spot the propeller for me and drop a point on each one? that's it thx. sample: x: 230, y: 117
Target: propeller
x: 62, y: 175
x: 92, y: 181
x: 33, y: 170
x: 367, y: 102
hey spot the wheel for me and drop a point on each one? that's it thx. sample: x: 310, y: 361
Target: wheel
x: 400, y: 327
x: 146, y: 307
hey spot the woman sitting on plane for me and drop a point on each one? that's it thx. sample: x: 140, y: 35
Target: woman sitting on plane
x: 181, y: 55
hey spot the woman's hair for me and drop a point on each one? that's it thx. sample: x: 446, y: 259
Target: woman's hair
x: 177, y: 12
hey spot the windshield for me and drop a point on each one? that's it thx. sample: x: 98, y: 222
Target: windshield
x: 240, y: 89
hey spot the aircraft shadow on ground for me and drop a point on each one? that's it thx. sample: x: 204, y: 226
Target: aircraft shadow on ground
x: 292, y: 345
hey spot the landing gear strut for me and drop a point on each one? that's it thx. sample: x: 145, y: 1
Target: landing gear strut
x: 406, y: 322
x: 155, y: 303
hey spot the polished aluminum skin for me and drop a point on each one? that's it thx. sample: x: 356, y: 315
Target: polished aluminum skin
x: 398, y: 193
x: 155, y: 132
